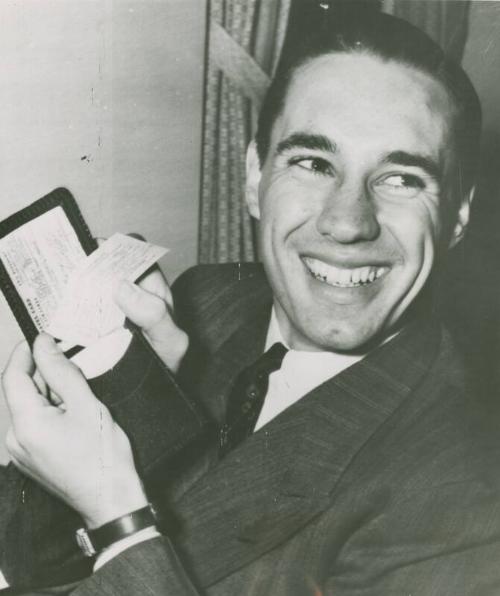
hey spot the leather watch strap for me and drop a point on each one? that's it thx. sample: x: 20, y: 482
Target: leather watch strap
x: 92, y: 542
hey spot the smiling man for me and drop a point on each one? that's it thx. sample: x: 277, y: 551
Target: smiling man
x: 352, y: 459
x: 350, y: 197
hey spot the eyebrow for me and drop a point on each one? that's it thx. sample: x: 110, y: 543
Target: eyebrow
x: 403, y: 158
x: 318, y: 142
x: 303, y: 140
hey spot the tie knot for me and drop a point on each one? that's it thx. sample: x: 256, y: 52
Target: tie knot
x: 247, y: 397
x: 271, y: 360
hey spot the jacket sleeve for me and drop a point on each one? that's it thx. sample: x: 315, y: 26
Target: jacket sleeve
x: 37, y: 544
x: 37, y: 531
x: 151, y: 567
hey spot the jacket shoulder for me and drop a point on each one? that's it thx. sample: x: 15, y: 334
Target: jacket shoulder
x: 211, y: 301
x: 197, y: 278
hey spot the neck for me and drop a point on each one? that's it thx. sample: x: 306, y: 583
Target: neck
x: 279, y: 330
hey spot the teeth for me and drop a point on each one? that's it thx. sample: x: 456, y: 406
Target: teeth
x: 356, y: 276
x: 342, y: 277
x: 365, y: 272
x: 345, y: 277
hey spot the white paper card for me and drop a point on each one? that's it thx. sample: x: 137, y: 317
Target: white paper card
x: 3, y: 581
x: 39, y: 257
x: 87, y: 311
x: 102, y: 355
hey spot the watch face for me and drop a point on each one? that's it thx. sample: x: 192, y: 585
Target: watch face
x: 84, y: 542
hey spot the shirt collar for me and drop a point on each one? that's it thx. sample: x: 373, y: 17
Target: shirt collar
x: 317, y: 366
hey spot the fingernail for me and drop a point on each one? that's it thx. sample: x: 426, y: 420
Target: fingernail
x: 47, y: 344
x: 136, y: 236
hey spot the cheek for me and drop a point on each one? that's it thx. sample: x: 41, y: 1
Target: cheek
x: 286, y: 207
x: 415, y: 226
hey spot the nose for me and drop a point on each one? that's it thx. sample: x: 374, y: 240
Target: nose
x: 348, y: 216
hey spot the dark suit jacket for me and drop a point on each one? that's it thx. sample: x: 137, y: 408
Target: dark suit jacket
x: 382, y: 481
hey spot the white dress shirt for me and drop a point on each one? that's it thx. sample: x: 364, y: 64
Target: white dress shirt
x: 300, y: 372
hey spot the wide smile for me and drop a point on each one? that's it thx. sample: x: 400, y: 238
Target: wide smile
x: 343, y: 277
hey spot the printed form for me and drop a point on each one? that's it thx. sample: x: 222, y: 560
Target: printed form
x: 87, y: 311
x: 39, y: 257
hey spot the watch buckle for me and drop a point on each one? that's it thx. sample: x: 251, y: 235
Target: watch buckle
x: 84, y: 542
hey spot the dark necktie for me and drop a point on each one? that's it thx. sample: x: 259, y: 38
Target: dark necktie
x: 247, y: 398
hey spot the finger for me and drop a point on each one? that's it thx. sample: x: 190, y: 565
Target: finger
x: 44, y: 389
x: 143, y: 308
x: 151, y: 314
x: 56, y: 400
x: 40, y: 384
x: 154, y: 282
x: 20, y: 391
x: 136, y: 236
x: 61, y: 375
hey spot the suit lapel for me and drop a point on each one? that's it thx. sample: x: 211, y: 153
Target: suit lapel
x: 285, y: 474
x: 241, y: 350
x: 347, y: 410
x: 215, y: 371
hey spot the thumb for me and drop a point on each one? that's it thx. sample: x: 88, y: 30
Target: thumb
x: 154, y: 282
x: 143, y: 308
x: 61, y: 375
x: 152, y: 315
x: 20, y: 392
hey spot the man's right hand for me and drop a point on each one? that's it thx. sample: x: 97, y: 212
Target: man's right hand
x: 74, y: 448
x: 150, y: 306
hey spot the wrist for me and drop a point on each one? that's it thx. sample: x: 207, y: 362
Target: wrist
x: 120, y: 500
x: 133, y: 527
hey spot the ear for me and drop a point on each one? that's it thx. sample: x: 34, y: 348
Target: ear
x: 462, y: 219
x: 253, y: 181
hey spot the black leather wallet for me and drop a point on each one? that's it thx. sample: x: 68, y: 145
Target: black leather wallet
x: 140, y: 390
x: 59, y: 202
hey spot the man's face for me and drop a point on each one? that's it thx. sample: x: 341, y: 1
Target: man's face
x: 349, y: 198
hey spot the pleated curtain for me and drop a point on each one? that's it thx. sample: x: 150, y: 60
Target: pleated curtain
x: 244, y: 41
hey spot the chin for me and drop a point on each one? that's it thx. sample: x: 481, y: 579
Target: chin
x: 344, y: 339
x: 361, y: 340
x: 350, y: 345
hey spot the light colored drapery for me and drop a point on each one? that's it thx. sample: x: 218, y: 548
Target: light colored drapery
x: 244, y: 41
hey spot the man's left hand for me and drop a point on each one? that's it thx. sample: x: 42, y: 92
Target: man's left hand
x: 74, y: 449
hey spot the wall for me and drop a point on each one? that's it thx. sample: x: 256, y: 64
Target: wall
x: 482, y: 57
x: 473, y: 307
x: 105, y: 98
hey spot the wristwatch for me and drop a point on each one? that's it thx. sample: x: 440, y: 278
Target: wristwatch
x: 92, y: 542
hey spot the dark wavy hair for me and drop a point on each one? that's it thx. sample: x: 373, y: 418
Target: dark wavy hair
x: 390, y: 39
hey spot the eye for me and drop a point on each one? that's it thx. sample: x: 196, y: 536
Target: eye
x: 315, y: 165
x: 403, y: 185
